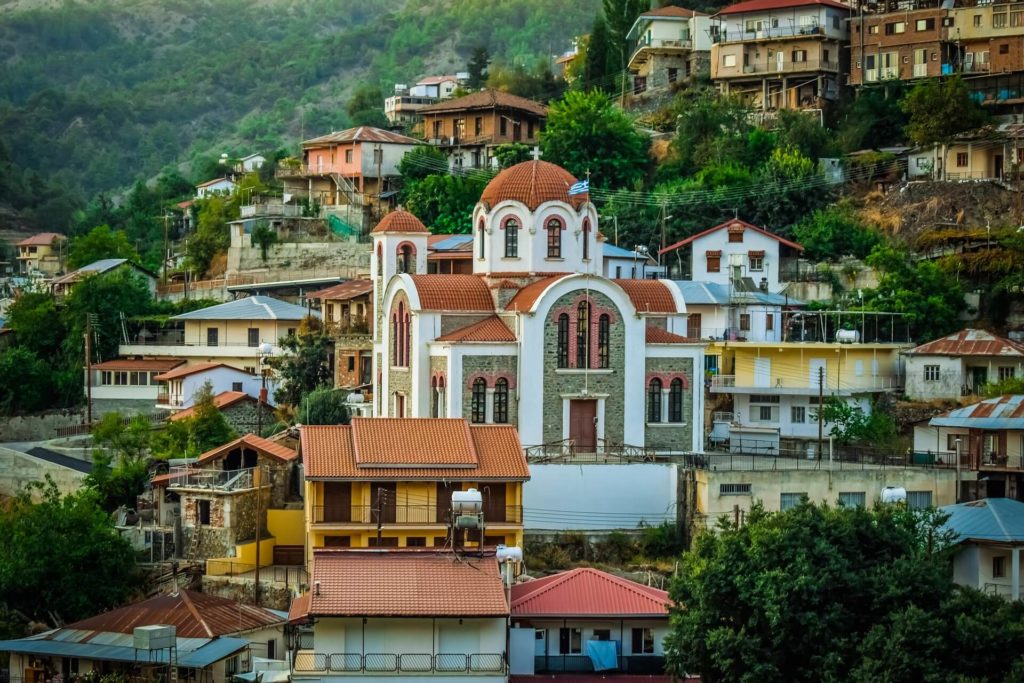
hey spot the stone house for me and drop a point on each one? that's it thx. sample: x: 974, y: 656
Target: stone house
x: 961, y: 364
x: 670, y: 45
x: 239, y: 409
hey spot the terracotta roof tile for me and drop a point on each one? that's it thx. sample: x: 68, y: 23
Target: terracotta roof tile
x: 405, y: 584
x: 40, y: 239
x: 453, y: 293
x: 588, y: 592
x: 298, y: 611
x: 731, y: 224
x: 656, y: 335
x: 186, y: 370
x: 399, y: 220
x: 150, y: 364
x: 672, y: 11
x: 526, y: 297
x: 970, y: 343
x: 343, y: 291
x: 487, y: 99
x: 649, y: 296
x: 764, y: 5
x: 265, y: 446
x: 487, y: 330
x: 361, y: 134
x: 532, y: 183
x: 413, y: 448
x: 221, y: 401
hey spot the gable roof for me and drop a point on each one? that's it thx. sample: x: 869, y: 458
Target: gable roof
x: 588, y: 592
x: 186, y: 370
x: 343, y: 291
x: 41, y: 239
x: 672, y: 12
x: 649, y: 296
x: 453, y: 293
x: 147, y: 364
x: 98, y: 268
x: 970, y: 342
x: 656, y: 335
x: 224, y: 399
x: 990, y: 519
x: 730, y: 224
x: 1003, y: 412
x: 412, y: 448
x: 525, y: 298
x: 487, y: 330
x: 361, y: 134
x: 250, y: 308
x: 392, y: 583
x: 766, y: 5
x: 265, y: 446
x: 215, y: 181
x: 486, y: 99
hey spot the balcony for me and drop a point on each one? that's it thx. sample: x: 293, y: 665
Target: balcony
x: 183, y: 349
x: 270, y: 209
x: 728, y: 384
x: 768, y: 33
x: 645, y: 48
x: 308, y: 662
x: 787, y: 67
x: 636, y: 664
x: 409, y: 514
x: 184, y: 477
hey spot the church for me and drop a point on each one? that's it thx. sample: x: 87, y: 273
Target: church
x: 535, y: 336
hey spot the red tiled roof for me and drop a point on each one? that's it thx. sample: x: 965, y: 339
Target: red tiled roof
x: 40, y: 239
x: 194, y: 615
x: 436, y: 80
x: 765, y: 5
x: 361, y: 134
x: 399, y: 220
x: 185, y: 371
x: 221, y: 401
x: 649, y: 296
x: 393, y: 583
x: 150, y: 364
x: 487, y: 330
x: 970, y: 343
x: 526, y: 297
x: 656, y: 335
x: 487, y: 99
x: 344, y: 291
x: 453, y: 293
x: 672, y: 11
x: 214, y: 182
x: 532, y: 183
x: 413, y: 448
x: 588, y: 592
x: 735, y: 223
x: 265, y: 446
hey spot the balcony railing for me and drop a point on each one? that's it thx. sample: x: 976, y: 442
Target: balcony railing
x: 184, y: 477
x: 308, y: 662
x: 767, y: 33
x: 788, y: 66
x: 270, y: 209
x: 406, y: 514
x: 636, y: 664
x: 808, y: 385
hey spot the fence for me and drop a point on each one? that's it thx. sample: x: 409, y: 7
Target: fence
x: 223, y: 480
x: 603, y: 451
x: 86, y: 428
x: 346, y: 662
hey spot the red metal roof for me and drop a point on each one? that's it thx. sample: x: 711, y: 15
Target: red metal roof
x: 185, y: 371
x: 149, y: 364
x: 399, y: 220
x: 970, y: 343
x: 453, y: 293
x: 194, y: 615
x: 487, y: 99
x: 766, y: 5
x: 396, y: 583
x: 220, y: 401
x: 588, y: 592
x: 40, y: 239
x: 735, y: 223
x: 656, y: 335
x: 361, y: 134
x: 649, y: 296
x: 344, y: 291
x: 487, y: 330
x: 265, y: 446
x: 532, y: 183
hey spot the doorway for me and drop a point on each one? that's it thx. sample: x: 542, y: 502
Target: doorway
x: 583, y: 425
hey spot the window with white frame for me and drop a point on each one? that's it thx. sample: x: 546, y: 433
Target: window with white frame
x: 931, y: 373
x: 788, y: 501
x: 729, y: 60
x: 798, y: 414
x: 919, y: 500
x: 851, y: 499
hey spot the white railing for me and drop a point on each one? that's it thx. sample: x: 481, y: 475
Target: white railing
x: 808, y: 385
x: 353, y: 663
x: 185, y: 477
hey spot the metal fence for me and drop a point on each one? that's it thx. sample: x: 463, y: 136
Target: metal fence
x: 412, y: 662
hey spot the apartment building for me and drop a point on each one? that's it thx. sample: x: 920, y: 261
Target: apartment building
x: 42, y: 253
x: 670, y: 45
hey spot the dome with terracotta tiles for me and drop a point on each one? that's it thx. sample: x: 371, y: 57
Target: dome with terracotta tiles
x: 400, y: 220
x: 532, y: 183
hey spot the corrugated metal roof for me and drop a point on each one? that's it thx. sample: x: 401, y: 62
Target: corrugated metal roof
x: 717, y: 294
x: 1003, y: 412
x: 588, y: 592
x: 991, y: 519
x: 195, y: 657
x: 250, y: 308
x: 361, y: 134
x: 343, y: 291
x: 452, y: 243
x: 970, y: 342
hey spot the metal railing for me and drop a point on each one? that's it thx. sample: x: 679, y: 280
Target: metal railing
x: 567, y: 450
x: 270, y: 209
x: 789, y: 66
x: 755, y: 455
x: 810, y: 384
x: 184, y: 477
x: 636, y: 664
x: 413, y: 513
x: 766, y: 33
x: 410, y: 662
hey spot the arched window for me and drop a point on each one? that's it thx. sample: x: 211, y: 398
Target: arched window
x: 583, y: 335
x: 441, y: 410
x: 396, y: 338
x: 501, y: 401
x: 563, y: 340
x: 654, y: 401
x: 380, y: 260
x: 407, y: 343
x: 586, y: 238
x: 675, y: 400
x: 406, y: 259
x: 603, y: 341
x: 400, y: 327
x: 554, y: 238
x: 482, y: 234
x: 434, y: 398
x: 511, y: 238
x: 478, y: 404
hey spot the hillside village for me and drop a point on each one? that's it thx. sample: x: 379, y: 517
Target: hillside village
x: 695, y: 353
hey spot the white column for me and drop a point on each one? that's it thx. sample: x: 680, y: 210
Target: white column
x: 664, y: 405
x: 1015, y: 566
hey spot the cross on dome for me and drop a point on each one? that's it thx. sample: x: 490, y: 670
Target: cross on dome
x: 536, y: 153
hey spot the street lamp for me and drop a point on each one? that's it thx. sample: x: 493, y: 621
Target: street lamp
x: 266, y: 352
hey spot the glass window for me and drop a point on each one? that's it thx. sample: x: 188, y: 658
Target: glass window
x: 757, y: 262
x: 744, y: 322
x: 654, y: 401
x: 852, y: 499
x: 769, y: 322
x: 603, y: 341
x: 999, y: 20
x: 478, y: 404
x: 583, y: 335
x: 511, y: 238
x: 643, y: 641
x: 787, y: 501
x: 931, y: 373
x: 924, y: 24
x: 563, y: 340
x: 586, y: 238
x: 977, y: 20
x: 1006, y: 373
x: 554, y: 238
x: 798, y: 414
x: 998, y: 567
x: 729, y: 60
x: 570, y: 641
x: 482, y: 234
x: 919, y: 500
x: 501, y: 401
x: 675, y: 400
x: 961, y: 159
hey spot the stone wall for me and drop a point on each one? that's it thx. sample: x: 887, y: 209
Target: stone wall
x: 244, y: 590
x: 244, y: 418
x: 38, y: 427
x: 294, y: 260
x: 490, y: 367
x: 666, y: 435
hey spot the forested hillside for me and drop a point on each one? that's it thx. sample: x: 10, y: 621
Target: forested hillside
x: 95, y: 94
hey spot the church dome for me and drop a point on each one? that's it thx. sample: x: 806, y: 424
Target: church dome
x: 532, y: 183
x: 399, y: 220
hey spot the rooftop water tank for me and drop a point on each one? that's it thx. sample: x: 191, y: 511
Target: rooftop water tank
x: 894, y: 494
x: 506, y: 553
x: 467, y: 502
x: 847, y: 336
x: 154, y: 637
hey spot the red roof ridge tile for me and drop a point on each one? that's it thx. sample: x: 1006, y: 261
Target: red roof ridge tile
x: 271, y: 448
x: 727, y: 224
x: 649, y: 296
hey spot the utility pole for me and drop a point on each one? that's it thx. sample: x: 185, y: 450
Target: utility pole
x: 257, y: 474
x: 821, y: 407
x: 88, y: 369
x: 167, y: 255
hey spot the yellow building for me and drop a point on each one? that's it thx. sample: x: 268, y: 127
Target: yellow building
x: 388, y: 482
x: 42, y: 253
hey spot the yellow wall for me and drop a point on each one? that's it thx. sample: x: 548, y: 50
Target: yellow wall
x: 791, y: 364
x: 287, y: 526
x: 244, y: 559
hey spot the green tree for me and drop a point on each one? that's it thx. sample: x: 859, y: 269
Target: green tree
x: 99, y: 243
x: 620, y: 16
x: 595, y: 65
x: 421, y: 161
x: 586, y: 133
x: 938, y: 109
x: 37, y: 327
x: 851, y: 424
x: 477, y: 66
x: 323, y: 406
x: 305, y: 366
x: 445, y: 202
x: 26, y: 381
x: 836, y: 231
x: 211, y: 236
x: 511, y: 154
x: 61, y: 555
x: 804, y: 132
x: 710, y: 128
x: 107, y: 298
x: 120, y: 460
x: 205, y: 429
x: 264, y: 237
x: 366, y: 106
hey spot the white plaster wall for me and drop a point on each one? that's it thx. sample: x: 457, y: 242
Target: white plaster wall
x: 785, y: 424
x: 566, y: 497
x: 719, y: 241
x: 621, y: 631
x: 951, y: 377
x: 533, y: 239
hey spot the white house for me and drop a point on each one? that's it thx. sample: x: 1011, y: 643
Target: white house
x: 961, y: 364
x: 719, y: 312
x: 440, y: 87
x: 180, y: 385
x: 990, y: 536
x: 222, y: 186
x: 668, y: 45
x: 535, y: 336
x: 252, y: 162
x: 130, y: 379
x: 619, y: 263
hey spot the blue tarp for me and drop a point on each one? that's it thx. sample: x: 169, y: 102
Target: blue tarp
x: 603, y: 654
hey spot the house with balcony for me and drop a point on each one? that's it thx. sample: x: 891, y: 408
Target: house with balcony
x: 669, y: 45
x: 180, y: 385
x: 989, y: 537
x: 586, y: 621
x: 388, y: 482
x: 737, y: 312
x: 468, y: 128
x: 128, y: 383
x: 403, y: 614
x: 41, y: 253
x: 230, y: 333
x: 780, y: 54
x: 992, y: 152
x: 987, y: 438
x: 347, y: 312
x: 961, y: 364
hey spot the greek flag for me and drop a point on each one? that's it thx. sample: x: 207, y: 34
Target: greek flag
x: 580, y: 187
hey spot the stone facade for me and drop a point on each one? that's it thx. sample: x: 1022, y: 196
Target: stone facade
x: 490, y: 368
x: 244, y: 418
x: 675, y: 436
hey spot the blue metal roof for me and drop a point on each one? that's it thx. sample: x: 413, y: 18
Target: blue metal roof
x: 612, y: 251
x: 452, y: 243
x: 1002, y: 412
x: 211, y: 652
x: 250, y: 308
x: 715, y: 293
x: 991, y: 519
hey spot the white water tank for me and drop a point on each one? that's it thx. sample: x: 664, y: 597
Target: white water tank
x: 156, y: 637
x: 506, y: 553
x: 847, y: 336
x: 467, y: 502
x: 894, y: 494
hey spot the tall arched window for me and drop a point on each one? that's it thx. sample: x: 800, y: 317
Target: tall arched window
x: 563, y: 340
x: 603, y: 341
x: 441, y: 392
x: 396, y: 338
x: 400, y: 326
x: 380, y: 260
x: 654, y: 401
x: 478, y: 402
x: 433, y: 397
x: 511, y: 238
x: 675, y: 400
x: 501, y: 401
x: 407, y: 342
x: 586, y: 238
x: 406, y: 259
x: 583, y: 335
x: 482, y: 236
x: 554, y: 238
